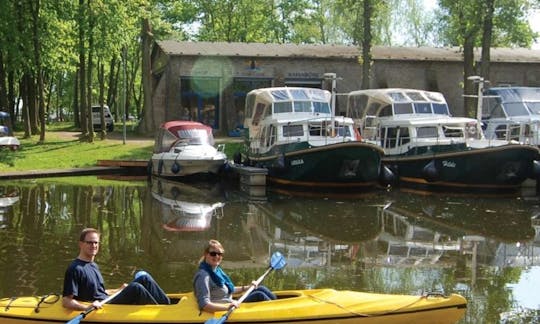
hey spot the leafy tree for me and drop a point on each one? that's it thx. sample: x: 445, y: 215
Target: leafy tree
x: 464, y: 23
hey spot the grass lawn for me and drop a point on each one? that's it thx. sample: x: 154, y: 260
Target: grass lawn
x: 59, y: 152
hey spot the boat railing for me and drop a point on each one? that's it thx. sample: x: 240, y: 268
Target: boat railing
x: 320, y: 131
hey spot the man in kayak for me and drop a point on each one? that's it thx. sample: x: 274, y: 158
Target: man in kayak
x: 214, y: 289
x: 83, y: 281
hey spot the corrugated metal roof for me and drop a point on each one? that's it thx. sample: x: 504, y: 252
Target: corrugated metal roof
x: 175, y: 48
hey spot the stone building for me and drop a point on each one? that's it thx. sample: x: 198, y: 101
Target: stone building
x: 208, y: 81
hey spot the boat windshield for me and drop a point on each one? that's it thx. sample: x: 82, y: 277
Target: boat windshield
x: 300, y: 100
x: 515, y: 109
x: 534, y: 107
x: 194, y: 137
x: 440, y: 108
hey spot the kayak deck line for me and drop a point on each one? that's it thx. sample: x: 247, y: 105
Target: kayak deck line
x: 394, y: 311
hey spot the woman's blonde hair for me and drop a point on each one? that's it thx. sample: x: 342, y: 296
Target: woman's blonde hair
x: 212, y: 244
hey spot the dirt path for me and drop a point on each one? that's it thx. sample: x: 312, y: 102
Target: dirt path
x: 114, y: 136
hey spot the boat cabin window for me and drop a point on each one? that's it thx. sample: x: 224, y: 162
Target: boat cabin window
x: 508, y: 131
x: 280, y: 95
x: 271, y: 136
x: 258, y: 115
x: 394, y: 135
x: 282, y: 107
x: 440, y: 108
x: 316, y: 129
x: 403, y: 136
x: 426, y: 131
x: 453, y: 131
x: 385, y: 111
x: 389, y: 137
x: 293, y: 130
x: 416, y: 96
x: 250, y: 103
x: 534, y: 107
x: 321, y: 107
x: 403, y: 108
x: 342, y: 131
x: 422, y: 108
x: 515, y: 109
x: 299, y: 94
x: 302, y: 106
x: 497, y: 111
x: 397, y: 97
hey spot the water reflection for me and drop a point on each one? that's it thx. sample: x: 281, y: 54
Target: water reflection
x: 383, y: 241
x: 185, y: 207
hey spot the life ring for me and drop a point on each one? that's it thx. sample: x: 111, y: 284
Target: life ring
x: 471, y: 130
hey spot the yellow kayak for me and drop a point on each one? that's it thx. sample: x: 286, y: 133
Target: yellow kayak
x: 298, y: 306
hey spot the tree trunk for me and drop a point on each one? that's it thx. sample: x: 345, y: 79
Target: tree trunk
x: 34, y: 8
x: 82, y: 73
x: 147, y: 122
x: 468, y: 70
x: 486, y: 38
x: 25, y: 85
x: 89, y: 69
x: 101, y: 78
x: 366, y: 45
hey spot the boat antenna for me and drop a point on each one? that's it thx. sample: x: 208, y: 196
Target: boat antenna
x: 480, y: 80
x: 333, y: 77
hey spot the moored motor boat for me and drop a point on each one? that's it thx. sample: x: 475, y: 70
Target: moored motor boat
x: 183, y: 148
x: 426, y: 147
x: 294, y: 134
x: 298, y: 306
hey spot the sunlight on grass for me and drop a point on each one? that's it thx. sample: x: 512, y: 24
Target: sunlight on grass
x: 58, y: 153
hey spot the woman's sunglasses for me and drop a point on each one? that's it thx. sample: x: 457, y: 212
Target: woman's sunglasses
x: 214, y: 253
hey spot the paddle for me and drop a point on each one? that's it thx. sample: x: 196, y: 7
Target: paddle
x: 277, y: 262
x: 82, y: 315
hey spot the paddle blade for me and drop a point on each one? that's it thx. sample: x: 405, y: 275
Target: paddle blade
x: 76, y: 320
x: 277, y: 261
x: 216, y: 321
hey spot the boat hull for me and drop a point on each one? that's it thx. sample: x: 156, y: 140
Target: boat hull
x: 342, y: 165
x: 300, y: 306
x: 486, y: 169
x: 168, y: 165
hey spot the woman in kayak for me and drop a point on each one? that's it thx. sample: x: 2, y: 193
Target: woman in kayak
x: 214, y: 289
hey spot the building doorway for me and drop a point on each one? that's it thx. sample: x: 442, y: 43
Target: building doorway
x: 200, y: 100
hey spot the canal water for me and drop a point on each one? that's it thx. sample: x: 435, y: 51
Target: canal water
x: 485, y: 248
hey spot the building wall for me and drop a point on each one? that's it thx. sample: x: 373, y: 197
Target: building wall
x: 435, y: 75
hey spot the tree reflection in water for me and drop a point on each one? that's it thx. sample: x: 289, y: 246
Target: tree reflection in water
x: 393, y: 242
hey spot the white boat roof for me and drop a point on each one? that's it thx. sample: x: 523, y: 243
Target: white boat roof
x: 516, y: 94
x: 280, y: 94
x: 393, y: 95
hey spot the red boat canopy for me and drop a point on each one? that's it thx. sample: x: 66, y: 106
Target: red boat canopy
x: 182, y: 131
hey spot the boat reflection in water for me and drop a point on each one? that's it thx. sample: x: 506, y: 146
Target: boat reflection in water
x: 314, y: 232
x: 478, y: 233
x: 186, y: 208
x: 8, y: 197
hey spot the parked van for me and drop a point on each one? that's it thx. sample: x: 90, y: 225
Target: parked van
x: 96, y: 118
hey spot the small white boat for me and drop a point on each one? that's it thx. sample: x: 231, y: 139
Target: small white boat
x: 6, y: 140
x: 183, y: 148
